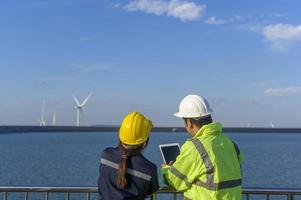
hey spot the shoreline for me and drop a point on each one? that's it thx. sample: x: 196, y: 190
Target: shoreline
x: 27, y: 129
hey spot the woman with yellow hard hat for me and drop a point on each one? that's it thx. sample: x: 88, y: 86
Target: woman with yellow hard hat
x: 124, y: 173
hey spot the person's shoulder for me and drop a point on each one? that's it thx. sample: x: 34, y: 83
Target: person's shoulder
x: 109, y: 151
x: 149, y: 163
x: 148, y: 167
x: 189, y: 146
x: 188, y: 143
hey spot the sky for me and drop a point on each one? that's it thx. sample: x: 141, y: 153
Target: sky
x: 244, y: 57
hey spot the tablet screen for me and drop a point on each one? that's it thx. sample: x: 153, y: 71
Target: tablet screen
x: 169, y: 152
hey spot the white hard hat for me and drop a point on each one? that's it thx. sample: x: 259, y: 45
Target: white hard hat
x: 193, y: 106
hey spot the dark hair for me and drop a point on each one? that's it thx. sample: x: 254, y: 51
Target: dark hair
x: 199, y: 121
x: 126, y: 153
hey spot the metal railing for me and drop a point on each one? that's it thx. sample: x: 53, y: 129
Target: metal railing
x: 248, y: 193
x: 290, y: 194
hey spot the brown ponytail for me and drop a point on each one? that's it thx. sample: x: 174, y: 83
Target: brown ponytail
x: 121, y: 180
x: 126, y: 153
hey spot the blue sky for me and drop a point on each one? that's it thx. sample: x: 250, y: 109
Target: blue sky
x: 146, y: 55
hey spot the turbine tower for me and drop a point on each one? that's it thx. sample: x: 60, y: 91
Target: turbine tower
x: 42, y: 120
x: 79, y: 107
x: 53, y: 119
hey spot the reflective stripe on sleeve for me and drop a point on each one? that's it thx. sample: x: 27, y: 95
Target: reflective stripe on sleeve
x: 181, y: 176
x: 128, y: 170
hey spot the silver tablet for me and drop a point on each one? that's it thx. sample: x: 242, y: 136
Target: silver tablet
x: 169, y: 152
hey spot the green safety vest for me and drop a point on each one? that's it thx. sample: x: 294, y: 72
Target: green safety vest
x: 208, y: 167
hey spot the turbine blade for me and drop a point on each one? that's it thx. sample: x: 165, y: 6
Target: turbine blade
x: 76, y: 101
x: 85, y: 101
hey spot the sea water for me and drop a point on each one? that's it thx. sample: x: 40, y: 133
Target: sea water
x: 72, y: 159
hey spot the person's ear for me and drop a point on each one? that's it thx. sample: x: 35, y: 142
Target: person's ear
x: 189, y: 124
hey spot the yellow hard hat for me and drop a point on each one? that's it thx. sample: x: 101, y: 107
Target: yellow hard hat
x: 134, y: 129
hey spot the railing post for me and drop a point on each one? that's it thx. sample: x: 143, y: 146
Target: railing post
x: 290, y: 197
x: 5, y: 195
x: 26, y: 196
x: 88, y: 196
x: 68, y: 196
x: 46, y: 196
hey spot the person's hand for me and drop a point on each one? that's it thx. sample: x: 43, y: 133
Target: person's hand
x: 167, y: 165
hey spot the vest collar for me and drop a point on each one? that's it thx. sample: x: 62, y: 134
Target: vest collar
x: 214, y: 128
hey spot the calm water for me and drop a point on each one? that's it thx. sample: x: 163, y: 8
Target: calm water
x: 72, y: 159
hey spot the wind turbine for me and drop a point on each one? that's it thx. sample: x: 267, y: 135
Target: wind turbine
x: 272, y: 124
x: 42, y: 120
x: 53, y: 119
x: 79, y: 107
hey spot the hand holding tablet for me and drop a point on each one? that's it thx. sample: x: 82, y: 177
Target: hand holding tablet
x: 169, y: 152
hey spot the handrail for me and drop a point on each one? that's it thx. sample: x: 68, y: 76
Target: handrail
x: 272, y: 191
x: 247, y: 192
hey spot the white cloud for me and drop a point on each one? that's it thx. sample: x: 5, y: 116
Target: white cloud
x: 181, y: 9
x: 283, y: 91
x: 214, y: 21
x: 156, y: 7
x: 117, y: 5
x: 282, y: 32
x: 282, y: 35
x: 186, y: 11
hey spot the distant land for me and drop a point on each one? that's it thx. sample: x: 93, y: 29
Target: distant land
x: 42, y: 129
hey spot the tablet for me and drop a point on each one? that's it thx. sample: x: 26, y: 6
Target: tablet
x: 169, y: 152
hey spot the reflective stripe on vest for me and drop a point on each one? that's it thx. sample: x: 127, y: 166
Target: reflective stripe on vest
x: 128, y: 170
x: 220, y: 185
x: 208, y: 164
x: 181, y: 176
x: 209, y: 184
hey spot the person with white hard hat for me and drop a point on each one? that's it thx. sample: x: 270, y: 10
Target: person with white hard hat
x: 209, y: 164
